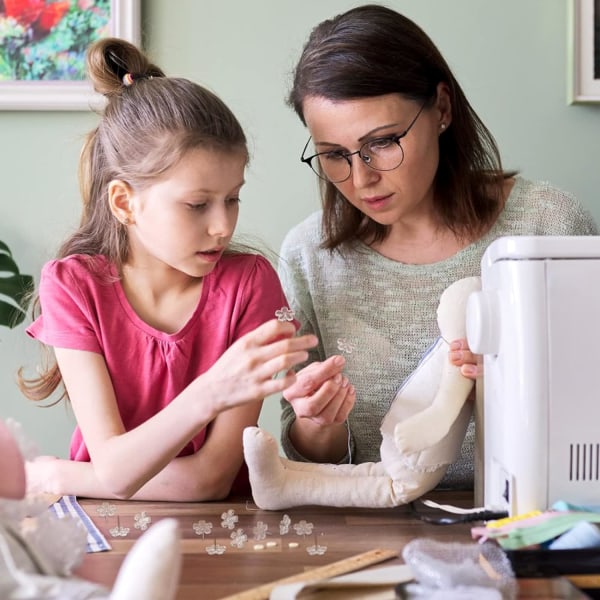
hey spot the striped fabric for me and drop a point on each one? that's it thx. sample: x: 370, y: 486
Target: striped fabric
x: 68, y: 505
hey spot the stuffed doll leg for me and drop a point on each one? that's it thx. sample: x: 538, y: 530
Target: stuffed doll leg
x: 279, y: 483
x: 446, y: 390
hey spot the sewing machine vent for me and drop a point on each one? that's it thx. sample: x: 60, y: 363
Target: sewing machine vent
x: 584, y: 462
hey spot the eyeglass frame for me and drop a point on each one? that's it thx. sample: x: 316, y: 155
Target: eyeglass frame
x: 348, y: 155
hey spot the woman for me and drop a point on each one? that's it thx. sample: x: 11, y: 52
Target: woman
x: 413, y: 192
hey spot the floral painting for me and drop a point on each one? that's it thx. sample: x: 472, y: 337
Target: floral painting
x: 46, y: 40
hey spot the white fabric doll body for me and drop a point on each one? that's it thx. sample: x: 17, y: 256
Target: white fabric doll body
x: 422, y: 434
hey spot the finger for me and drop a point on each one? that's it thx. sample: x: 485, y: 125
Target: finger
x: 471, y: 371
x: 313, y: 405
x: 460, y: 344
x: 462, y: 357
x: 337, y: 410
x: 268, y: 332
x: 274, y: 358
x: 314, y: 376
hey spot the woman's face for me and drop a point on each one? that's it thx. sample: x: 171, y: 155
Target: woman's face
x: 395, y: 196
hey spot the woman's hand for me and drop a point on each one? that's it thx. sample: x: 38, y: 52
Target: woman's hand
x: 322, y: 399
x: 322, y: 393
x: 461, y: 356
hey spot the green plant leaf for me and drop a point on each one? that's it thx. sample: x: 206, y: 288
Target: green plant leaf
x: 15, y: 290
x: 11, y: 315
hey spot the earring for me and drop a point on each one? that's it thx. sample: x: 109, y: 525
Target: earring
x: 442, y: 126
x: 126, y: 221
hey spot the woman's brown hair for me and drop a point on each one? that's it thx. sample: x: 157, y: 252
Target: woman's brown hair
x: 371, y: 51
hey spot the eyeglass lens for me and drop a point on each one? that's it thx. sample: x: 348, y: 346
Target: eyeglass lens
x: 384, y: 154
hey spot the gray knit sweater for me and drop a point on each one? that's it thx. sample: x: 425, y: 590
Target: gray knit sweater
x: 387, y: 309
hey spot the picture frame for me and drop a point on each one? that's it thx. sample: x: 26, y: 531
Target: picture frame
x: 117, y: 18
x: 584, y: 48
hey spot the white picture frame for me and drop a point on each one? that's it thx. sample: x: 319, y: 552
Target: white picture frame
x: 71, y: 95
x: 584, y: 48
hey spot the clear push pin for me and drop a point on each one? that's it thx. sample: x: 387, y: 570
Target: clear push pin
x: 317, y: 549
x: 118, y: 531
x: 202, y: 528
x: 345, y: 346
x: 215, y: 549
x: 285, y: 314
x: 260, y: 531
x: 238, y: 538
x: 229, y: 519
x: 284, y: 525
x: 141, y: 521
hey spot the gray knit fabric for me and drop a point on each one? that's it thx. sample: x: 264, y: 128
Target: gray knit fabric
x: 387, y: 309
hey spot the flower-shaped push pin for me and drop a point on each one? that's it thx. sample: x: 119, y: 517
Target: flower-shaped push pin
x: 118, y: 531
x: 260, y: 531
x: 284, y: 525
x: 229, y: 519
x: 215, y: 549
x: 106, y: 510
x: 303, y: 528
x: 238, y: 538
x: 316, y: 550
x: 345, y: 346
x: 202, y: 528
x: 285, y: 314
x: 142, y: 520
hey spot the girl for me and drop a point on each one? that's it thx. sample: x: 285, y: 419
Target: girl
x: 164, y: 337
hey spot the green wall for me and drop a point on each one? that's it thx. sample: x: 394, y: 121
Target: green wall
x: 511, y: 58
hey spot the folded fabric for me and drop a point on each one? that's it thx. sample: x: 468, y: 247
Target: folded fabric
x: 68, y: 505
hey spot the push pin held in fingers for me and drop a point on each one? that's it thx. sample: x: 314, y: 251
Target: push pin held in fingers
x: 285, y: 314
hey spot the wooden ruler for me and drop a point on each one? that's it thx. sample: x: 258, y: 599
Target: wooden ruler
x: 347, y: 565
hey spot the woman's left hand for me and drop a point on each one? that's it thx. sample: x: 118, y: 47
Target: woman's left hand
x: 461, y: 356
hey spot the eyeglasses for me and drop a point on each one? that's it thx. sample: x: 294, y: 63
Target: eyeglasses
x: 381, y: 154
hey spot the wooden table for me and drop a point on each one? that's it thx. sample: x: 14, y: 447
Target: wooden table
x: 345, y: 532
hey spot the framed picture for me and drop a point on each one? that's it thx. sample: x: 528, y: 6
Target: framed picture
x: 584, y: 44
x: 43, y: 45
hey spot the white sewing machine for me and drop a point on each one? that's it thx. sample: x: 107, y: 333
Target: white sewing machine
x: 537, y: 323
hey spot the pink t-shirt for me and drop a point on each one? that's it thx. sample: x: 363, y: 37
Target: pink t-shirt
x: 84, y: 307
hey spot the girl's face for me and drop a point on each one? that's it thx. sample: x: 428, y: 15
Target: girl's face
x: 186, y: 219
x: 393, y: 197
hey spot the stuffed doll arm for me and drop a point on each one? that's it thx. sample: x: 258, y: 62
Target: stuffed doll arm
x: 427, y: 427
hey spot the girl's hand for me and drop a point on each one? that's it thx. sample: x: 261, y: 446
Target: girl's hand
x: 469, y: 363
x: 247, y: 370
x: 41, y: 475
x: 322, y: 393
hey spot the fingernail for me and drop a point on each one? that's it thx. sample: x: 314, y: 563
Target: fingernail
x: 456, y: 355
x: 339, y: 361
x: 456, y: 345
x: 470, y: 369
x: 337, y: 378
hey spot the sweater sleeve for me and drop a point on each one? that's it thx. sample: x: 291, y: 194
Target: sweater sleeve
x: 295, y: 266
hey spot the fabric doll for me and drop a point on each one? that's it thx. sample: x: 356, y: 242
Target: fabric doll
x: 422, y: 434
x: 38, y: 554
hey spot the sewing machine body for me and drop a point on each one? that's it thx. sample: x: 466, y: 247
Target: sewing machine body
x: 537, y: 323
